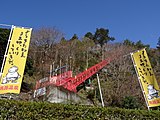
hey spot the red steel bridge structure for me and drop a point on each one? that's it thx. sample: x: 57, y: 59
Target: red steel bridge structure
x: 71, y: 83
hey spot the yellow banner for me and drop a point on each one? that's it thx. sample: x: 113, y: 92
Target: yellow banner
x: 14, y: 66
x: 147, y: 78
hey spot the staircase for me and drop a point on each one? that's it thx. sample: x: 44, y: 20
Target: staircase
x: 73, y: 82
x: 68, y: 82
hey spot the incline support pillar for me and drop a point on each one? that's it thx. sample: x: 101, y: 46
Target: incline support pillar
x: 100, y: 90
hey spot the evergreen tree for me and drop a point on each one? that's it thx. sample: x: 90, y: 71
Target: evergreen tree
x: 140, y: 45
x: 128, y: 42
x: 101, y: 36
x: 158, y: 44
x: 4, y: 36
x: 89, y: 35
x: 74, y: 37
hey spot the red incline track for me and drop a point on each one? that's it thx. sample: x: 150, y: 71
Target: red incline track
x: 72, y: 82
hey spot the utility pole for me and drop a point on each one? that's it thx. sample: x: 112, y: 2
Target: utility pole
x: 100, y: 90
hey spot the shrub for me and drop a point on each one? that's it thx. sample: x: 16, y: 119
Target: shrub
x: 129, y: 102
x: 20, y: 110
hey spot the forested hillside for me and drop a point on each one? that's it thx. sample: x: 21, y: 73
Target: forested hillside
x: 119, y: 82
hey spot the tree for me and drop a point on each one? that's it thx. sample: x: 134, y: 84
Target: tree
x: 43, y: 47
x: 140, y: 45
x: 130, y: 102
x: 45, y: 37
x: 29, y: 69
x: 101, y: 36
x: 74, y: 37
x: 128, y: 42
x: 158, y: 44
x: 89, y: 35
x: 63, y: 40
x: 4, y: 36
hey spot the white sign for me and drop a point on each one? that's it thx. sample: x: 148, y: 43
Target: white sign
x: 40, y: 92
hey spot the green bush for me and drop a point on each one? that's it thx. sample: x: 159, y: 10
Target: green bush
x: 20, y: 110
x: 130, y: 102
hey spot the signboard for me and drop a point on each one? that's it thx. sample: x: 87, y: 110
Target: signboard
x: 146, y: 78
x: 40, y: 92
x: 53, y: 80
x: 11, y: 78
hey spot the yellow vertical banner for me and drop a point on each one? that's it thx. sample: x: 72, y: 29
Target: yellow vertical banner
x: 146, y: 78
x: 14, y: 65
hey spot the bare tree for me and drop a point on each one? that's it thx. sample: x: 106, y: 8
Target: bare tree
x: 120, y: 80
x: 42, y: 47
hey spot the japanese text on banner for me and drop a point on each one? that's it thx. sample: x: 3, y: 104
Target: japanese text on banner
x: 15, y: 62
x: 147, y: 77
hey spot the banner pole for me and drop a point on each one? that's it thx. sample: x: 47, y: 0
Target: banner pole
x: 140, y: 82
x: 5, y: 55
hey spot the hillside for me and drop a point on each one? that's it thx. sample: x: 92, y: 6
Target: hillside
x: 119, y: 84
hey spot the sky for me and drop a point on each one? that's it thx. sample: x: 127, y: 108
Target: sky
x: 126, y: 19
